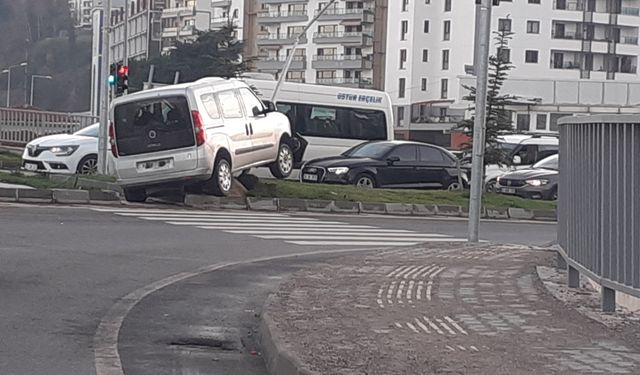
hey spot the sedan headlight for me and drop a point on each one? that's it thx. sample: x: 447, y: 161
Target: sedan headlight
x: 63, y: 150
x: 537, y: 182
x: 338, y: 170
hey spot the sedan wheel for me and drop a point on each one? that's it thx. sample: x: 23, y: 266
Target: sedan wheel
x: 88, y: 165
x: 454, y: 186
x: 490, y: 187
x: 365, y: 182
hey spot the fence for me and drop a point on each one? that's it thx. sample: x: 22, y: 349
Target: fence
x: 20, y: 126
x: 599, y: 206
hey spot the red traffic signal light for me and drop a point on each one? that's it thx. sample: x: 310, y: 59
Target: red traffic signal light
x: 123, y: 71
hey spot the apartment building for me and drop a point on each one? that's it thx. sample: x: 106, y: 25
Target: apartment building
x: 338, y: 49
x: 181, y: 19
x: 569, y: 57
x: 81, y: 12
x: 143, y: 31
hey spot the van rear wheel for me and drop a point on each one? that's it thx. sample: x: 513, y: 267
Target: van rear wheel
x: 135, y: 195
x: 283, y: 165
x: 220, y: 183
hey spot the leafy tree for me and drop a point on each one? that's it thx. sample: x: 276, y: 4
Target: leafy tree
x: 498, y: 118
x: 213, y: 54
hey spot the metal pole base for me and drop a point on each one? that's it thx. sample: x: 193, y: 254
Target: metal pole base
x: 608, y: 299
x: 561, y: 262
x: 573, y: 278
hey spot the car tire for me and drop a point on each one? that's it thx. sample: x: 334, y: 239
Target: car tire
x: 490, y: 186
x: 554, y: 195
x: 283, y: 165
x: 88, y: 165
x: 365, y: 181
x: 135, y: 195
x: 454, y: 185
x: 221, y: 181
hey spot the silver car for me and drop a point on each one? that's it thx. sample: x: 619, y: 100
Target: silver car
x: 198, y: 133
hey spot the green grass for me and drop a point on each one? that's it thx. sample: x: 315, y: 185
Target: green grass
x: 38, y: 182
x: 9, y: 156
x: 292, y: 189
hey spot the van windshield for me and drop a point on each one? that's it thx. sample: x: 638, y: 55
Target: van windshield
x: 153, y: 125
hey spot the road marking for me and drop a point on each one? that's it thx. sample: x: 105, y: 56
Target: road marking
x: 268, y: 225
x: 191, y: 221
x: 433, y: 325
x: 137, y: 211
x: 399, y: 269
x: 412, y: 327
x: 421, y: 325
x: 339, y: 231
x: 445, y: 326
x: 456, y: 326
x: 429, y: 290
x: 353, y: 243
x: 404, y: 238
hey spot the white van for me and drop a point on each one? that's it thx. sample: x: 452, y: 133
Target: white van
x: 193, y: 133
x: 328, y: 120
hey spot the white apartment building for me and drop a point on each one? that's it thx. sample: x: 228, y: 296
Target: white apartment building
x: 337, y: 50
x: 181, y: 19
x: 569, y: 57
x: 143, y: 31
x: 81, y: 11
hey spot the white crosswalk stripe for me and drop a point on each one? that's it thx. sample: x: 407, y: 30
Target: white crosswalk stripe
x: 298, y: 230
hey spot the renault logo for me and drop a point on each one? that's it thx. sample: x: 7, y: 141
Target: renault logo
x: 152, y: 134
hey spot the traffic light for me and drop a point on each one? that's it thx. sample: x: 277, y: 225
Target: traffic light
x: 123, y: 79
x: 113, y: 77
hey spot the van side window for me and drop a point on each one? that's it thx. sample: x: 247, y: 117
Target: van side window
x: 210, y: 105
x: 230, y: 104
x: 250, y: 101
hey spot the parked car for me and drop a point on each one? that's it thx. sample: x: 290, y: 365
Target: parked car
x: 389, y: 164
x: 195, y: 133
x: 538, y: 182
x: 64, y: 153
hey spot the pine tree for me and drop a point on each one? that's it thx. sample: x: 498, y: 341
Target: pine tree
x: 498, y: 120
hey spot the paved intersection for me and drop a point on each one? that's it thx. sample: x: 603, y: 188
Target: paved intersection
x: 296, y: 230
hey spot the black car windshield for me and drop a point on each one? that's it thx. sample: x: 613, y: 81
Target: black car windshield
x: 550, y: 162
x: 89, y: 131
x: 375, y: 150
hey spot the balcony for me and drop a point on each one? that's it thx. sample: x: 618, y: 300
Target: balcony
x: 284, y: 1
x: 630, y: 11
x: 336, y: 14
x: 351, y: 38
x: 277, y: 63
x: 168, y: 32
x: 334, y: 62
x: 220, y: 4
x: 279, y: 17
x: 629, y: 40
x: 346, y: 82
x: 266, y: 40
x: 571, y: 35
x: 177, y: 12
x: 220, y: 22
x: 568, y: 5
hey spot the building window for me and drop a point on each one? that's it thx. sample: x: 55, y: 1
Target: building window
x: 533, y: 27
x: 504, y: 54
x: 423, y: 84
x: 445, y: 59
x: 425, y: 55
x: 403, y: 59
x: 447, y: 5
x: 426, y: 26
x: 405, y: 5
x: 446, y: 30
x: 400, y: 116
x: 404, y: 29
x: 541, y: 121
x: 522, y: 121
x: 402, y: 85
x: 444, y: 88
x: 534, y: 1
x: 504, y: 24
x: 531, y: 57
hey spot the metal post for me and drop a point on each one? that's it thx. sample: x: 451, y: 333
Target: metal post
x: 573, y: 277
x: 9, y: 87
x: 33, y: 77
x: 125, y: 50
x: 283, y: 75
x: 104, y: 89
x: 483, y: 37
x: 608, y: 299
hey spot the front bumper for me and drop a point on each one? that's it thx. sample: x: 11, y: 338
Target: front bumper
x: 46, y: 166
x: 317, y: 175
x: 528, y: 191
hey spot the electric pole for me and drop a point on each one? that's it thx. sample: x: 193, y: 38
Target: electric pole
x: 104, y: 88
x: 482, y: 40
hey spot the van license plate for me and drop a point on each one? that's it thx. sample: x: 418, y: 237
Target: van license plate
x: 155, y: 165
x: 31, y: 166
x: 508, y: 190
x: 309, y: 177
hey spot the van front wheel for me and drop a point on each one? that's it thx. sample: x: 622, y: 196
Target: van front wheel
x: 135, y: 195
x: 283, y: 165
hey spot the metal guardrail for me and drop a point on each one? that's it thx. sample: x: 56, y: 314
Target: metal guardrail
x: 599, y: 202
x: 20, y: 126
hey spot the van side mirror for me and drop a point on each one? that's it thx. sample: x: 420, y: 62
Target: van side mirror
x: 270, y: 107
x: 392, y: 159
x: 517, y: 160
x: 257, y: 112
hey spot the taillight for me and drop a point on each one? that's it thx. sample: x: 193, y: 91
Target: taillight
x: 198, y: 127
x: 112, y: 140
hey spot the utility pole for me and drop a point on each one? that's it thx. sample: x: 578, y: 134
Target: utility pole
x: 104, y: 88
x: 283, y: 75
x: 125, y: 50
x: 482, y: 40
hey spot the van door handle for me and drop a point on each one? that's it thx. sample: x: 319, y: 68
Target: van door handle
x: 251, y: 128
x: 246, y: 129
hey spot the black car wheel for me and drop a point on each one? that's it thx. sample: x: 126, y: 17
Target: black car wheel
x: 135, y: 195
x: 454, y: 186
x: 365, y: 181
x: 490, y: 186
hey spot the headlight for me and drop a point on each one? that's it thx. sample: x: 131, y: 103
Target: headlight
x: 537, y: 182
x: 63, y: 150
x: 464, y: 176
x: 338, y: 170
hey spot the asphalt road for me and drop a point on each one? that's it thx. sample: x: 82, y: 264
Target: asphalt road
x: 63, y: 269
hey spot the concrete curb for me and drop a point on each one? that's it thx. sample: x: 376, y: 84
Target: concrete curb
x: 62, y: 196
x: 344, y: 207
x: 277, y: 358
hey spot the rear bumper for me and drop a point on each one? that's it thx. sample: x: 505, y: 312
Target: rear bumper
x: 168, y: 180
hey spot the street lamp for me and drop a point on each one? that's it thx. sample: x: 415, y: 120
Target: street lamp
x: 33, y: 77
x: 8, y: 71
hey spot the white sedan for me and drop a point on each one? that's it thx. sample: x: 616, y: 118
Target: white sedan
x: 64, y: 153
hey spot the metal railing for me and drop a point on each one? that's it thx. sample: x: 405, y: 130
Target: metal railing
x: 20, y: 126
x: 599, y: 205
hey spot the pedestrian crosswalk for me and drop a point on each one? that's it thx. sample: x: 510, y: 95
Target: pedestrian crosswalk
x: 297, y: 230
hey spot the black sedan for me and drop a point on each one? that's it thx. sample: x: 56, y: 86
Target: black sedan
x: 538, y: 182
x: 389, y: 164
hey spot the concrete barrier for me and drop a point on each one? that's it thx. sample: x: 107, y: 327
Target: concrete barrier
x: 70, y: 196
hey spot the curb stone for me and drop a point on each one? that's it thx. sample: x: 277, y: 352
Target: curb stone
x: 70, y: 196
x: 399, y: 208
x: 447, y: 210
x: 34, y: 195
x: 346, y: 207
x: 425, y: 210
x: 318, y: 205
x: 258, y: 204
x: 62, y: 196
x: 277, y: 358
x: 520, y: 214
x: 373, y: 208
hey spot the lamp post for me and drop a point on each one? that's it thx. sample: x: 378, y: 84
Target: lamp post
x: 33, y: 78
x: 8, y: 71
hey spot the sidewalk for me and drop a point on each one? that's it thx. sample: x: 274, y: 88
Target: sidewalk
x: 440, y: 309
